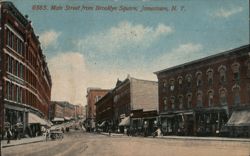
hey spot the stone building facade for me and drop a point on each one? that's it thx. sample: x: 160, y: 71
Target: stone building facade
x: 199, y: 97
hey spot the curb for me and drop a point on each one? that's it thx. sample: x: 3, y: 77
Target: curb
x: 10, y: 145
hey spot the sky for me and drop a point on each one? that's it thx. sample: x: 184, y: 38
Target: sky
x: 93, y: 48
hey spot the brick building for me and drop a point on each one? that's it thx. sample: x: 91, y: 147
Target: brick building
x: 116, y: 108
x: 199, y: 97
x: 25, y: 81
x: 93, y: 95
x: 62, y: 111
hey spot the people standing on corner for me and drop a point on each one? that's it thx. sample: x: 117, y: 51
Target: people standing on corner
x: 9, y: 135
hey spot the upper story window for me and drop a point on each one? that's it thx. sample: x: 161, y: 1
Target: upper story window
x: 171, y: 82
x: 236, y: 94
x: 210, y: 98
x: 189, y: 100
x: 236, y: 71
x: 223, y: 96
x: 210, y: 73
x: 189, y: 80
x: 199, y: 99
x: 165, y: 103
x: 180, y: 101
x: 248, y: 68
x: 180, y: 81
x: 222, y: 71
x: 172, y: 101
x: 198, y: 78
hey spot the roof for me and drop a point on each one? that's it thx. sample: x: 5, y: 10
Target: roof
x: 232, y: 51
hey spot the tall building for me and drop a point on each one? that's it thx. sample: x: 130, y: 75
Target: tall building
x: 93, y: 95
x: 199, y: 97
x: 25, y: 81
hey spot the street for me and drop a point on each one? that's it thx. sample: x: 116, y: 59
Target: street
x: 78, y: 143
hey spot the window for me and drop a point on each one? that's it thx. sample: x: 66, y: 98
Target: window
x: 199, y: 78
x: 21, y: 71
x: 189, y: 81
x: 165, y: 103
x: 210, y: 98
x: 199, y: 99
x: 189, y: 100
x: 223, y: 96
x: 17, y: 68
x: 236, y: 94
x: 210, y: 73
x: 248, y: 68
x: 172, y: 101
x: 8, y: 90
x: 180, y: 102
x: 180, y: 81
x: 222, y: 72
x: 21, y: 95
x: 17, y: 94
x: 236, y: 71
x: 171, y: 81
x: 12, y: 65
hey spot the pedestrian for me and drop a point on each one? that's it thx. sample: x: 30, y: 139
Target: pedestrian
x: 9, y: 135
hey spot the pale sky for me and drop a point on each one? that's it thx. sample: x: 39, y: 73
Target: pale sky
x: 94, y: 48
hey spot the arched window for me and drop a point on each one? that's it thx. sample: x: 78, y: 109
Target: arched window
x: 165, y: 103
x: 198, y: 78
x: 171, y: 81
x: 210, y: 98
x: 199, y: 99
x: 180, y: 102
x: 189, y: 100
x: 222, y: 72
x: 210, y: 74
x: 236, y: 94
x: 236, y: 71
x: 172, y: 101
x: 180, y: 81
x: 189, y: 81
x: 223, y: 96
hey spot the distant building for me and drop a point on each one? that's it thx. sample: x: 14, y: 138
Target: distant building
x: 25, y: 81
x: 93, y: 95
x: 62, y: 111
x: 116, y: 108
x: 199, y: 97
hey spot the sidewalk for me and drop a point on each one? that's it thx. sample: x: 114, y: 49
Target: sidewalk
x: 187, y: 137
x: 22, y: 141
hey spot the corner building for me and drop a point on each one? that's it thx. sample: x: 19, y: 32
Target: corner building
x: 199, y: 97
x: 25, y: 80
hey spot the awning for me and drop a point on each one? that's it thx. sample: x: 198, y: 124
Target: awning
x: 239, y: 118
x: 125, y: 121
x: 58, y: 119
x: 67, y: 118
x: 34, y: 119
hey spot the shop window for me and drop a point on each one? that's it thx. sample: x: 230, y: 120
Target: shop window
x: 222, y: 72
x: 165, y: 103
x: 236, y: 72
x: 189, y: 100
x: 198, y: 78
x: 171, y: 81
x: 236, y: 94
x: 210, y: 73
x: 223, y: 97
x: 210, y: 98
x: 172, y: 100
x: 199, y: 99
x: 180, y: 102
